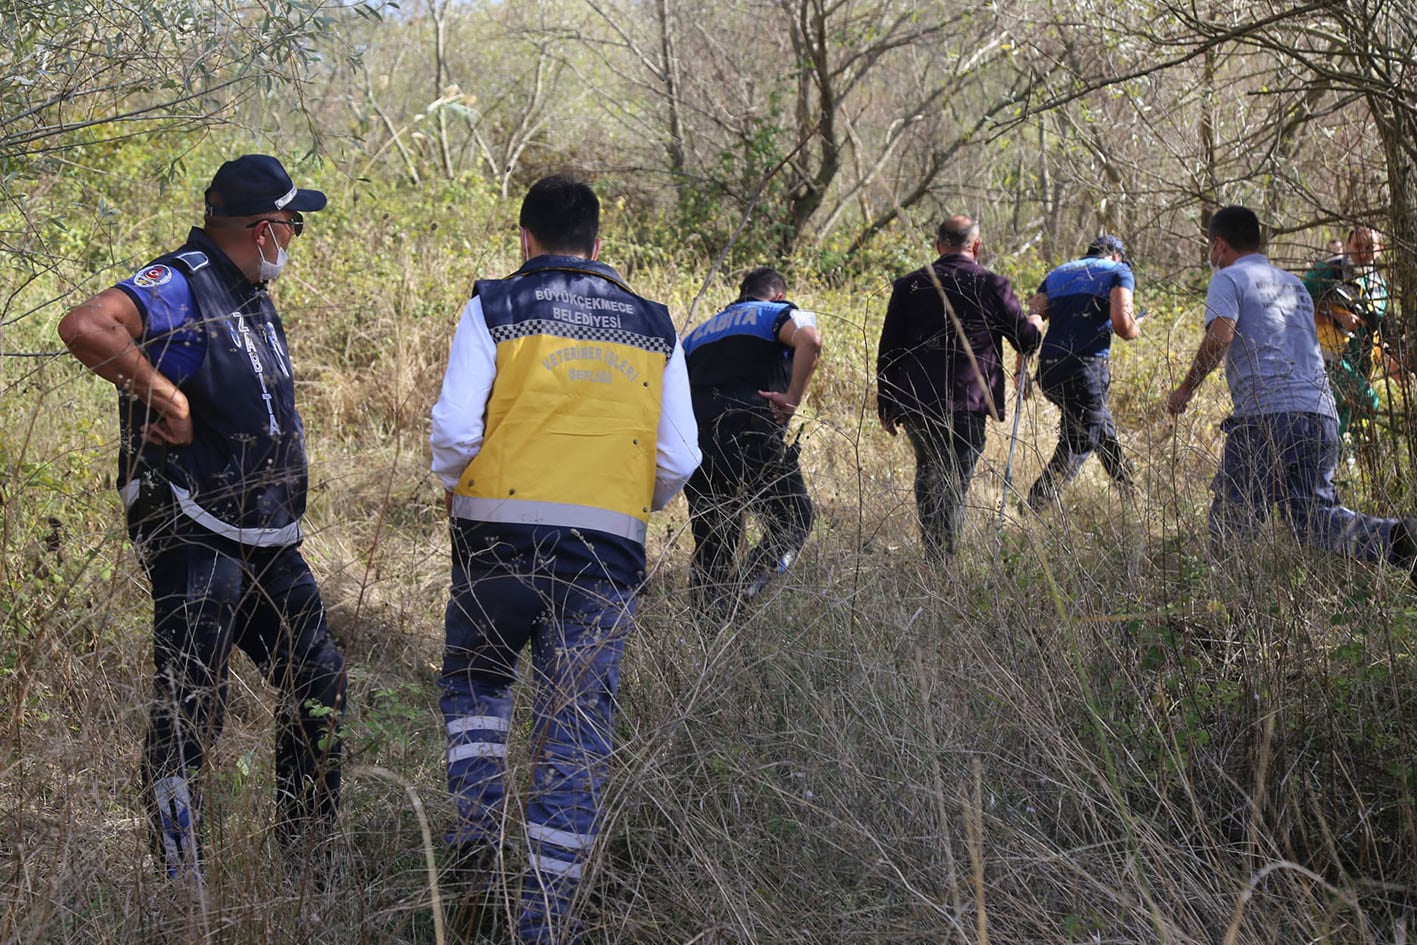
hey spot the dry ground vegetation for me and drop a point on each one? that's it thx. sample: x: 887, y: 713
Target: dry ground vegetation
x: 1082, y: 730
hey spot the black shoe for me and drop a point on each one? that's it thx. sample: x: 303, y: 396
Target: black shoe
x: 762, y: 577
x: 1402, y: 547
x: 711, y: 601
x: 1038, y: 502
x: 755, y: 585
x: 469, y: 890
x: 316, y: 862
x: 470, y: 867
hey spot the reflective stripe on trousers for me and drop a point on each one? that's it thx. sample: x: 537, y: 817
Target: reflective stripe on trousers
x: 576, y: 631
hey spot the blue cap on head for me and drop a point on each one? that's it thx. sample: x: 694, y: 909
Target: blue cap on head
x: 1106, y: 245
x: 254, y: 184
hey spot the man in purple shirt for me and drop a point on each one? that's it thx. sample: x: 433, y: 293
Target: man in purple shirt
x: 939, y: 371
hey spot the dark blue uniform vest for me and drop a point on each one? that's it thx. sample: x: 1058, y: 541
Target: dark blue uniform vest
x: 1079, y: 306
x: 574, y: 292
x: 737, y: 353
x: 243, y: 475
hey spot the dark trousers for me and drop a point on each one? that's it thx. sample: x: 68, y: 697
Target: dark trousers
x: 209, y: 595
x: 508, y: 595
x: 747, y: 466
x: 1078, y: 388
x: 946, y: 451
x: 1288, y: 460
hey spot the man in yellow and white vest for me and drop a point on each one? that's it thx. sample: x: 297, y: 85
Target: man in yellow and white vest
x: 564, y: 420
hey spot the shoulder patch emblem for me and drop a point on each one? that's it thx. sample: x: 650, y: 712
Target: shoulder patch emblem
x: 153, y: 276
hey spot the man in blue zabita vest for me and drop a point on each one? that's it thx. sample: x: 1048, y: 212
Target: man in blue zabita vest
x: 212, y: 470
x: 749, y: 367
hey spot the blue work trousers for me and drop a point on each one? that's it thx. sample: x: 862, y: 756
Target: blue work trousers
x: 747, y: 466
x: 506, y: 594
x: 1288, y: 459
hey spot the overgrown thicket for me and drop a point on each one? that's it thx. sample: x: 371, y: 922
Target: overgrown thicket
x: 1084, y: 730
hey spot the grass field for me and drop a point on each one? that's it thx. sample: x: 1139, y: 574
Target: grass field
x: 1083, y: 730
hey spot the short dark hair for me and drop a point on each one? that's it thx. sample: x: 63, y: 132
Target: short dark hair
x: 563, y: 213
x: 957, y: 231
x: 762, y: 284
x: 1107, y: 245
x: 1237, y: 226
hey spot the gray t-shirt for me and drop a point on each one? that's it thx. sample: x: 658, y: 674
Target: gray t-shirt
x: 1274, y: 364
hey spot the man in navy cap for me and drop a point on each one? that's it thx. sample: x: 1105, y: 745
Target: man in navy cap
x: 1085, y: 302
x: 212, y: 471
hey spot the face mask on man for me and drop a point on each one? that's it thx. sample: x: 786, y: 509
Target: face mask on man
x: 271, y: 270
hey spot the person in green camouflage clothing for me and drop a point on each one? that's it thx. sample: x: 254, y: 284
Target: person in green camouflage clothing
x: 1350, y: 302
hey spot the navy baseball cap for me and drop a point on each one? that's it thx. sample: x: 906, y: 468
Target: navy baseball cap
x: 1106, y: 245
x: 254, y: 184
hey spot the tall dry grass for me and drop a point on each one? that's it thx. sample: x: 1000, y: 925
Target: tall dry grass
x: 1082, y: 730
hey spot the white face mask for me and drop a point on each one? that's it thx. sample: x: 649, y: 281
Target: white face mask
x: 1210, y: 258
x: 270, y: 271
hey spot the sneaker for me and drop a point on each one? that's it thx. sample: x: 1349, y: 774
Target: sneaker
x: 763, y: 578
x: 177, y: 833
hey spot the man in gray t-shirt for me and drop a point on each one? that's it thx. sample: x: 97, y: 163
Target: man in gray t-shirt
x: 1274, y: 364
x: 1281, y: 444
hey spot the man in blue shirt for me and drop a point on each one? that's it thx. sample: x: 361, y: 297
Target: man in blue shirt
x: 213, y: 474
x: 1281, y: 443
x: 1085, y: 302
x: 749, y: 366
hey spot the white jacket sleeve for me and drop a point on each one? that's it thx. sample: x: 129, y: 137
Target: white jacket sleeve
x: 460, y: 413
x: 678, y: 449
